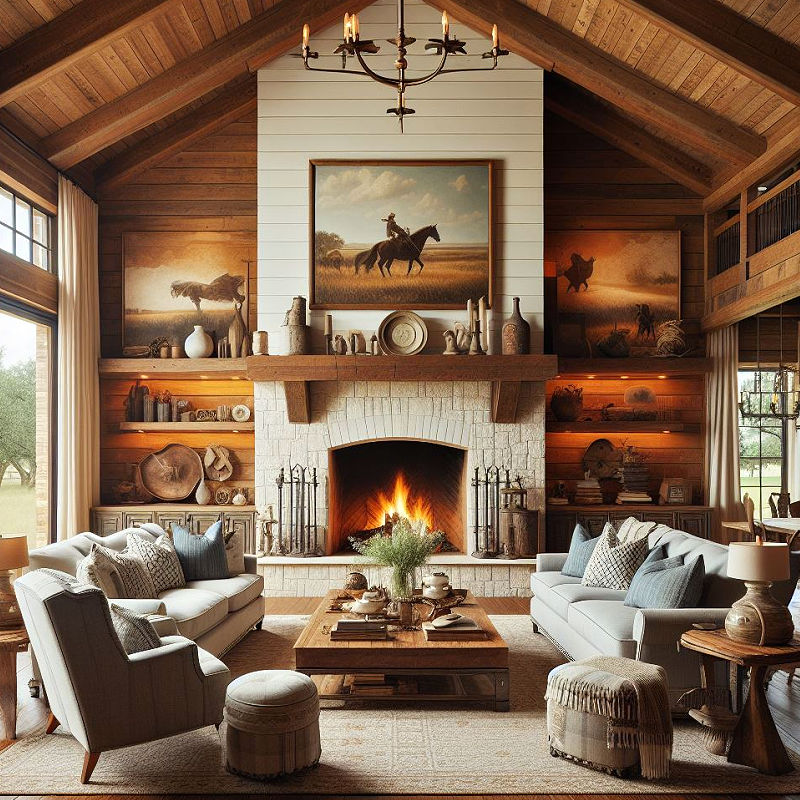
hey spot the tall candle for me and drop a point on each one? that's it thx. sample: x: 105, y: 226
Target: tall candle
x: 470, y: 317
x: 445, y: 24
x: 306, y: 34
x: 328, y: 324
x: 346, y: 27
x: 354, y: 24
x: 495, y: 37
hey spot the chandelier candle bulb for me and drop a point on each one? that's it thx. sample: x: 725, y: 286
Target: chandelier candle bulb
x: 346, y: 27
x: 495, y: 38
x: 306, y: 35
x: 354, y: 26
x: 445, y: 24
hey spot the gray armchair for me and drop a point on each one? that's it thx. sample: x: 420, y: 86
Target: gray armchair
x: 105, y: 698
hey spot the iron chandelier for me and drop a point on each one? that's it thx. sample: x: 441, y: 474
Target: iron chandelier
x: 353, y: 45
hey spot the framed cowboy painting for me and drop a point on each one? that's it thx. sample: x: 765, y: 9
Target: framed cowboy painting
x: 400, y: 234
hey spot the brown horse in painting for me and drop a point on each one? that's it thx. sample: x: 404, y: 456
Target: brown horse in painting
x: 388, y: 250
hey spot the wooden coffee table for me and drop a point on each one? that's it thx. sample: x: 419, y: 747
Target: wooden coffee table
x: 410, y: 667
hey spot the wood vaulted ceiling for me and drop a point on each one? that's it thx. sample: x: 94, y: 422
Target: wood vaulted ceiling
x: 699, y: 88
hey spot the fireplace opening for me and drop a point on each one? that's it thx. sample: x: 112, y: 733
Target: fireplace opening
x: 419, y: 480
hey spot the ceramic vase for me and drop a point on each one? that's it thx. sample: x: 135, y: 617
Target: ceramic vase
x: 203, y: 494
x: 198, y: 343
x: 516, y: 333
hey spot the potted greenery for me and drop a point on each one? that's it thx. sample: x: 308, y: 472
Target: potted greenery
x: 406, y: 549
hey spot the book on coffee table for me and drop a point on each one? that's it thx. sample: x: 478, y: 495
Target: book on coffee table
x: 465, y: 628
x: 369, y: 631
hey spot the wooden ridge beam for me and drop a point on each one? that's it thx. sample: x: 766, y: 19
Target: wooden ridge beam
x: 211, y: 117
x: 67, y: 38
x: 263, y: 38
x: 736, y: 41
x: 543, y: 42
x: 588, y: 113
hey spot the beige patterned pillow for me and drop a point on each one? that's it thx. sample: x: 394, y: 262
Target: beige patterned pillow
x: 613, y: 563
x: 234, y: 552
x: 160, y: 561
x: 98, y: 569
x: 135, y: 580
x: 136, y: 633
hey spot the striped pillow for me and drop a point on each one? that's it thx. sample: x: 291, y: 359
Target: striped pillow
x: 668, y: 583
x: 580, y: 551
x: 202, y: 556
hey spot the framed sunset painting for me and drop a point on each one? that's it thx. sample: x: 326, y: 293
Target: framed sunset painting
x: 400, y: 234
x: 614, y: 289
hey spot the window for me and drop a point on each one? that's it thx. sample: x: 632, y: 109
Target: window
x: 25, y: 230
x: 26, y: 405
x: 762, y: 444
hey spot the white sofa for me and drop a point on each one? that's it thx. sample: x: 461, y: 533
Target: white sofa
x: 216, y: 614
x: 585, y: 621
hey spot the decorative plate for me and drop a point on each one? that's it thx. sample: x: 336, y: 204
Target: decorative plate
x: 602, y: 459
x: 402, y: 333
x: 222, y: 496
x: 240, y: 413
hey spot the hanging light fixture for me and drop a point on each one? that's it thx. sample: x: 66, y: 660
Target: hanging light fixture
x: 781, y: 400
x: 354, y: 46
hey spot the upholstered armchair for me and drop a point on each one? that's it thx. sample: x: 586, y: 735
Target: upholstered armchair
x: 105, y: 698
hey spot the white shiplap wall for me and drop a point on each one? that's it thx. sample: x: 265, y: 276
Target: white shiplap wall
x: 303, y: 116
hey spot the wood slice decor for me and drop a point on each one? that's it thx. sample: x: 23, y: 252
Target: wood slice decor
x: 172, y: 473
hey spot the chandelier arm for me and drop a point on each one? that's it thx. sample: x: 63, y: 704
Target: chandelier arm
x: 376, y: 76
x: 337, y: 71
x: 467, y: 69
x: 431, y: 75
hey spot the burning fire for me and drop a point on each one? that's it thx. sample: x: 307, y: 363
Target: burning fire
x: 402, y: 502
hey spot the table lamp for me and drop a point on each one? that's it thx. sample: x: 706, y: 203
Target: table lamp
x: 758, y: 618
x: 13, y: 555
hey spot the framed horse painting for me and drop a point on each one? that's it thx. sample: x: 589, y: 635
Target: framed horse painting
x: 174, y: 280
x: 400, y: 234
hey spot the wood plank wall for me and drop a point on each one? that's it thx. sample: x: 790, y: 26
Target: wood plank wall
x: 591, y: 185
x: 209, y: 187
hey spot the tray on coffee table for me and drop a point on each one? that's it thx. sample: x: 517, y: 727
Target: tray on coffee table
x: 412, y: 667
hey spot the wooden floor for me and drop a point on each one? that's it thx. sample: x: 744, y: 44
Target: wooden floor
x: 784, y: 701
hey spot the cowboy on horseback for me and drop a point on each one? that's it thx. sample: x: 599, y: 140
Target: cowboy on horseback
x: 393, y: 230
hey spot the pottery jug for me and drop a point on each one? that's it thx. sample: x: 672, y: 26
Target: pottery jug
x: 516, y: 333
x: 198, y: 343
x: 436, y: 586
x: 202, y: 494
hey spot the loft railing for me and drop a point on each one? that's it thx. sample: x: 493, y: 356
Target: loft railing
x: 727, y: 245
x: 776, y: 214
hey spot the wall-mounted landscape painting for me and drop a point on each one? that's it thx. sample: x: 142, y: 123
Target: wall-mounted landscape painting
x: 175, y: 280
x: 400, y: 234
x: 614, y: 288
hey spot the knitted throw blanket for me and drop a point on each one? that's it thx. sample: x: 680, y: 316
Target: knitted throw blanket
x: 640, y: 719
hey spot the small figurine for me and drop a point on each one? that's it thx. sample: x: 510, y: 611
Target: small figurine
x: 450, y: 348
x: 339, y: 345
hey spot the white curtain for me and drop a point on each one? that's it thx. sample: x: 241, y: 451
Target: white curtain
x: 78, y: 350
x: 722, y: 427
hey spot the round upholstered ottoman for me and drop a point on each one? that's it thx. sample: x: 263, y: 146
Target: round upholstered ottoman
x: 272, y: 726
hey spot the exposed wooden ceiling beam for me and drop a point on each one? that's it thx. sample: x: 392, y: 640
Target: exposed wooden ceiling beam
x: 265, y: 37
x: 591, y: 115
x: 718, y: 30
x: 542, y: 41
x: 57, y: 45
x: 209, y: 118
x: 780, y: 153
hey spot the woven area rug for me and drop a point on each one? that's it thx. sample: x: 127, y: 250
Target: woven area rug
x: 382, y: 750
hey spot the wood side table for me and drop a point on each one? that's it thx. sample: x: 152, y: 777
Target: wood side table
x: 12, y: 641
x: 755, y: 741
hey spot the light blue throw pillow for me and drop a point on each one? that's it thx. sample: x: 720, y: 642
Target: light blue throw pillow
x: 580, y: 551
x: 202, y: 557
x: 667, y: 583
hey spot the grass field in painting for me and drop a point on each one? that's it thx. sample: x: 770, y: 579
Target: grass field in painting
x: 451, y: 276
x: 142, y: 327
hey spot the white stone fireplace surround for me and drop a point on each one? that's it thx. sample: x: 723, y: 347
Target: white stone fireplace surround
x: 346, y: 412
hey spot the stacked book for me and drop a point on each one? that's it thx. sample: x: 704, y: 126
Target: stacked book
x: 633, y: 497
x: 358, y: 629
x: 465, y: 628
x: 373, y: 684
x: 587, y: 492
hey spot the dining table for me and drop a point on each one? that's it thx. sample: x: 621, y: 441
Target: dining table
x: 789, y: 527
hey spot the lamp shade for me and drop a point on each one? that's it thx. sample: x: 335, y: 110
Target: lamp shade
x: 13, y: 551
x: 762, y: 562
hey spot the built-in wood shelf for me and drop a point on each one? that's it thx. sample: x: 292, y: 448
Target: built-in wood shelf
x: 582, y: 368
x: 622, y: 426
x: 186, y: 427
x: 506, y: 373
x: 174, y: 368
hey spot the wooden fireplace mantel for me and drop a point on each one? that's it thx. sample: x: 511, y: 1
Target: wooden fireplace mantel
x: 506, y: 373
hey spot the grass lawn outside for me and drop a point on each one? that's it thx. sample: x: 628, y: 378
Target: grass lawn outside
x: 18, y: 510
